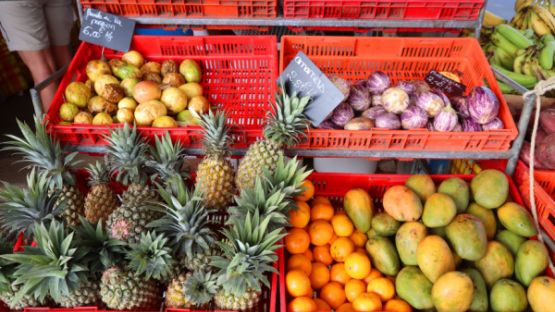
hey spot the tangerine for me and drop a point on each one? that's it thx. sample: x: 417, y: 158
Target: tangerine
x: 397, y: 305
x: 321, y: 200
x: 346, y: 307
x: 322, y: 306
x: 367, y: 302
x: 341, y: 248
x: 298, y: 283
x: 319, y: 276
x: 333, y: 294
x: 357, y: 265
x: 359, y: 238
x: 297, y: 241
x: 321, y: 211
x: 373, y: 274
x: 308, y: 254
x: 301, y: 262
x: 308, y: 191
x: 322, y: 254
x: 342, y: 225
x: 302, y: 304
x: 299, y: 217
x: 320, y: 232
x: 383, y: 287
x: 353, y: 288
x: 338, y: 274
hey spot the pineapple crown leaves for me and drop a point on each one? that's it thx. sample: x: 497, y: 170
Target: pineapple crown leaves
x: 285, y: 124
x: 99, y: 246
x: 166, y: 159
x: 216, y: 138
x: 200, y: 287
x: 248, y: 254
x: 39, y: 150
x: 54, y: 268
x: 185, y: 222
x: 151, y: 257
x: 126, y: 154
x: 21, y: 208
x: 288, y: 176
x: 98, y: 173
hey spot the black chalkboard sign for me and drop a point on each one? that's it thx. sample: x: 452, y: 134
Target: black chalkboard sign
x: 107, y: 30
x: 304, y: 77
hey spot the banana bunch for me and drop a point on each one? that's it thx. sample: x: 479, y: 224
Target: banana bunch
x: 536, y: 15
x: 520, y: 56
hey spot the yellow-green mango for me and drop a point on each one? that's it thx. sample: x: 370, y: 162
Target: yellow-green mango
x: 541, y: 294
x: 490, y: 188
x: 480, y: 295
x: 439, y: 210
x: 452, y: 292
x: 517, y: 219
x: 510, y: 240
x: 531, y: 260
x: 467, y: 235
x: 412, y: 286
x: 457, y: 189
x: 508, y: 295
x: 422, y: 185
x: 358, y: 206
x: 487, y: 216
x: 498, y: 263
x: 434, y: 257
x: 383, y: 255
x: 384, y: 224
x: 402, y: 203
x: 406, y: 240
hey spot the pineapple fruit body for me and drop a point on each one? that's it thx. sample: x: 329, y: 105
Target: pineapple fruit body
x: 137, y: 194
x: 123, y: 290
x: 99, y: 203
x: 227, y: 301
x: 8, y: 298
x: 260, y: 155
x: 127, y: 222
x: 175, y: 297
x: 199, y: 261
x: 88, y: 294
x: 74, y: 203
x: 215, y: 177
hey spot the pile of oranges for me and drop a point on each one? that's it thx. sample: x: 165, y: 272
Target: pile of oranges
x: 327, y: 266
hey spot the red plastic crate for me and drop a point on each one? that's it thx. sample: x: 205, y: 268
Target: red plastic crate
x: 239, y: 74
x: 546, y: 178
x: 355, y: 58
x: 186, y: 8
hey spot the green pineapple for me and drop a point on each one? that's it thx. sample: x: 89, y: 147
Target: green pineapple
x: 138, y: 285
x: 55, y: 268
x: 192, y: 290
x: 126, y: 154
x: 248, y: 254
x: 215, y: 174
x: 167, y: 161
x: 43, y: 152
x: 101, y: 200
x: 284, y: 127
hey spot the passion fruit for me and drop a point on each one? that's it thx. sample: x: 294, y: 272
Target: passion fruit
x: 128, y: 103
x: 174, y: 99
x: 199, y: 104
x: 151, y: 67
x: 102, y: 81
x: 147, y: 112
x: 68, y: 111
x: 83, y: 118
x: 90, y: 84
x: 134, y: 58
x: 113, y: 92
x: 164, y: 122
x: 173, y: 79
x: 125, y: 115
x: 115, y: 64
x: 97, y: 68
x: 190, y: 70
x: 102, y: 119
x: 191, y: 89
x: 77, y: 93
x: 99, y: 104
x: 152, y: 77
x: 168, y: 66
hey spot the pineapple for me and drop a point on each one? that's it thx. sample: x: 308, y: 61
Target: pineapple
x: 127, y: 160
x: 43, y: 152
x: 137, y: 285
x: 101, y: 200
x: 55, y: 269
x: 192, y: 290
x: 248, y: 255
x: 215, y: 174
x: 167, y: 161
x: 283, y: 128
x: 175, y: 296
x: 7, y: 289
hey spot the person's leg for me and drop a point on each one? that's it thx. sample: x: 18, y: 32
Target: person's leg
x: 59, y: 19
x: 41, y: 64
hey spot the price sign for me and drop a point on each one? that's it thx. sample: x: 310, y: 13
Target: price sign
x: 107, y: 30
x: 304, y: 77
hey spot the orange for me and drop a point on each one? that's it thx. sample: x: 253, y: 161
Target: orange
x: 373, y: 274
x: 321, y: 200
x: 301, y: 262
x: 361, y: 250
x: 322, y: 254
x: 353, y: 288
x: 383, y: 287
x: 346, y: 307
x: 357, y: 265
x: 342, y: 225
x: 308, y: 254
x: 319, y: 276
x: 367, y: 302
x: 320, y: 232
x: 297, y: 241
x: 298, y: 283
x: 338, y: 274
x: 308, y: 191
x: 301, y: 216
x: 333, y: 238
x: 333, y: 294
x: 302, y: 304
x: 397, y: 305
x: 341, y: 248
x: 359, y: 238
x: 322, y: 306
x: 321, y: 211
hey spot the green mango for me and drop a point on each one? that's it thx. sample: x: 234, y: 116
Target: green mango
x: 498, y: 263
x: 490, y: 188
x: 384, y: 224
x: 412, y: 286
x: 517, y: 219
x: 487, y: 216
x: 480, y: 295
x: 458, y: 190
x: 510, y: 240
x: 383, y: 255
x: 531, y: 260
x: 508, y: 295
x: 468, y: 237
x: 406, y: 240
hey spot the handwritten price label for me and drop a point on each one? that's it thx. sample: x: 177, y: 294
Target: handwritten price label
x: 107, y: 30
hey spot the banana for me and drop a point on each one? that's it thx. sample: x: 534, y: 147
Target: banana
x: 492, y: 20
x: 522, y: 4
x: 514, y: 36
x: 517, y: 20
x: 527, y: 68
x: 545, y: 58
x: 539, y: 26
x: 505, y: 88
x: 547, y: 38
x: 518, y: 63
x: 524, y: 80
x: 546, y: 16
x: 538, y: 71
x: 505, y: 59
x: 503, y: 43
x: 529, y: 33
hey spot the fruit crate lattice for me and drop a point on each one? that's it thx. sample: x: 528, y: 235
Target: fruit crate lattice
x: 402, y: 59
x: 238, y: 77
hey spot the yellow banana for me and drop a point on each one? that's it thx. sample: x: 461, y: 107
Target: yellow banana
x: 539, y: 25
x: 522, y: 4
x: 546, y: 16
x: 492, y: 20
x: 517, y: 20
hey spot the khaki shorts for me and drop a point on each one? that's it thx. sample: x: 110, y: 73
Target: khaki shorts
x: 36, y: 24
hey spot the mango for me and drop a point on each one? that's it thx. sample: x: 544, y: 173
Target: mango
x: 383, y: 255
x: 412, y: 286
x: 468, y: 237
x: 490, y: 188
x: 531, y: 260
x: 406, y: 240
x: 422, y: 185
x: 358, y: 206
x: 517, y: 219
x: 508, y: 295
x: 511, y: 240
x: 434, y: 257
x: 402, y: 203
x: 541, y: 294
x: 487, y: 217
x: 384, y: 224
x: 458, y: 190
x: 439, y: 210
x: 439, y: 231
x: 498, y: 263
x: 452, y: 292
x: 480, y: 294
